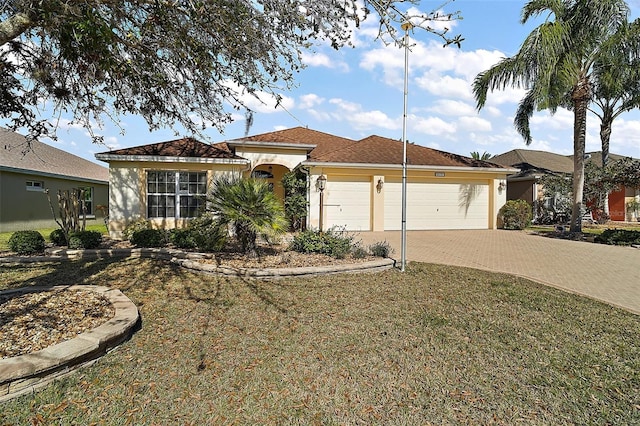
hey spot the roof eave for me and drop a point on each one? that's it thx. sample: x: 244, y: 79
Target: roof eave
x: 409, y: 166
x: 169, y: 159
x: 242, y: 143
x: 52, y: 175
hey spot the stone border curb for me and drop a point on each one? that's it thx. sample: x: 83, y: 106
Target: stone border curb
x: 277, y: 273
x: 26, y: 373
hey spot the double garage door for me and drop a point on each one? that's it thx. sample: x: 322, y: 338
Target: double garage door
x: 430, y: 205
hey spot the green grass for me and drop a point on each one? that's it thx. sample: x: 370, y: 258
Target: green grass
x: 433, y: 345
x: 4, y: 236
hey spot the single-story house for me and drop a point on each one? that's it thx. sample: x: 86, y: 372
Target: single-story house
x: 532, y: 165
x: 27, y: 171
x: 163, y: 182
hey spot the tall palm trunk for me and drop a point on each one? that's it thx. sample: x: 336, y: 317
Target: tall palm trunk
x: 580, y: 97
x: 605, y: 137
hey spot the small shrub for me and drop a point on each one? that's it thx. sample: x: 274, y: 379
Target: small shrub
x: 359, y: 252
x: 182, y: 238
x: 381, y: 249
x: 57, y: 237
x: 208, y: 234
x: 333, y: 243
x: 515, y: 214
x: 148, y: 238
x: 26, y: 242
x: 620, y: 237
x: 137, y: 225
x: 85, y: 240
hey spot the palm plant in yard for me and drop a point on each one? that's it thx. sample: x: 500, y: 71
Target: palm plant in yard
x: 555, y: 65
x: 249, y: 207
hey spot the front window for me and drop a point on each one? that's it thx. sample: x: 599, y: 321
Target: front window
x: 175, y: 194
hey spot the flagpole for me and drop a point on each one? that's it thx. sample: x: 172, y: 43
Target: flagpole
x: 403, y: 250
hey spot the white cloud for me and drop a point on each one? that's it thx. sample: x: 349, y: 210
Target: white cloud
x: 359, y: 118
x: 431, y: 126
x: 474, y: 124
x: 445, y: 86
x: 310, y: 100
x: 452, y: 108
x: 315, y: 59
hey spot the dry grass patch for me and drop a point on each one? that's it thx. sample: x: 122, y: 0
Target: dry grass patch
x: 436, y: 344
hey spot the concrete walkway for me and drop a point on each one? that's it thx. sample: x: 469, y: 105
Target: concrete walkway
x: 607, y: 273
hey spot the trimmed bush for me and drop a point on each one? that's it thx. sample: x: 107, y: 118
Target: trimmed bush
x: 208, y: 234
x: 620, y: 237
x: 515, y: 214
x: 182, y: 238
x: 85, y: 240
x: 57, y: 237
x: 137, y: 225
x: 26, y: 242
x: 148, y: 238
x: 381, y: 249
x: 332, y: 243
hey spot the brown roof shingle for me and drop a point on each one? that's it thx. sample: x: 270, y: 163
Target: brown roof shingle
x: 324, y: 142
x: 531, y: 160
x: 380, y: 150
x: 43, y: 158
x: 185, y: 148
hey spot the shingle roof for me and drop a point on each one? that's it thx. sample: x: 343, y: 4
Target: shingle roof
x: 43, y: 158
x: 380, y: 150
x: 324, y: 142
x: 185, y: 148
x: 530, y: 160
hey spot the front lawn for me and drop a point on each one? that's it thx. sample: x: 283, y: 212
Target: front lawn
x: 437, y: 344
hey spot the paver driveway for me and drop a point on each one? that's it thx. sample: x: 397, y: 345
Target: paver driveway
x: 607, y: 273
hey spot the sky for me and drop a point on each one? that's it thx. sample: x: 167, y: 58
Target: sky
x: 358, y: 92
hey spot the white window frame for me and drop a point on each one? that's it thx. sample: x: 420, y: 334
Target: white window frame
x: 35, y: 185
x: 181, y: 188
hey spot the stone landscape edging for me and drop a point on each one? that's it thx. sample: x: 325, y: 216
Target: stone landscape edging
x: 26, y: 373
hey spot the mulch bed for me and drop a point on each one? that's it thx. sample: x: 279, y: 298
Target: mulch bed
x: 33, y: 321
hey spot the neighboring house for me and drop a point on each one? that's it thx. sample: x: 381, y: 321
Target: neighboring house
x: 26, y: 172
x: 532, y: 165
x: 164, y: 182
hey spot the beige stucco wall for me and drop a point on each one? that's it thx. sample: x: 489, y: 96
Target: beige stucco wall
x: 21, y: 209
x: 289, y: 158
x: 128, y: 191
x: 497, y: 198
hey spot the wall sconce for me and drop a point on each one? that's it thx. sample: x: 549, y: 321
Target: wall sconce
x: 322, y: 182
x: 502, y: 185
x: 379, y: 185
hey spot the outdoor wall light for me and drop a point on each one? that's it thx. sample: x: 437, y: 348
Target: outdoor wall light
x: 379, y: 185
x: 502, y: 185
x: 322, y: 182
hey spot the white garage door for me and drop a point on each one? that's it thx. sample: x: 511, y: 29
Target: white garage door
x: 347, y: 203
x: 437, y: 205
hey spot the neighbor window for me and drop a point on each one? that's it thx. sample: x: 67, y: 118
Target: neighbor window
x: 175, y: 194
x: 35, y: 185
x: 88, y: 200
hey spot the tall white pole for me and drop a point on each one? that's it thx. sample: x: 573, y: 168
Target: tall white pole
x: 403, y: 250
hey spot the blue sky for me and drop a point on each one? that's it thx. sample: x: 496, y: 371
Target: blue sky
x: 357, y: 92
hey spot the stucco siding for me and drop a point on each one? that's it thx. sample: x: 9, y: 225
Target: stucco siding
x: 21, y: 208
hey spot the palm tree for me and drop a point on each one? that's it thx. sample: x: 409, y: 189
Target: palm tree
x: 249, y: 206
x: 477, y: 156
x: 555, y: 64
x: 616, y: 76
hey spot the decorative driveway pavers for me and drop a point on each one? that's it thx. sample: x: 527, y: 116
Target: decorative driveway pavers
x: 603, y: 272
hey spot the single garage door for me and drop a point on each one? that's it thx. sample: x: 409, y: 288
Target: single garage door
x: 437, y: 205
x: 347, y: 203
